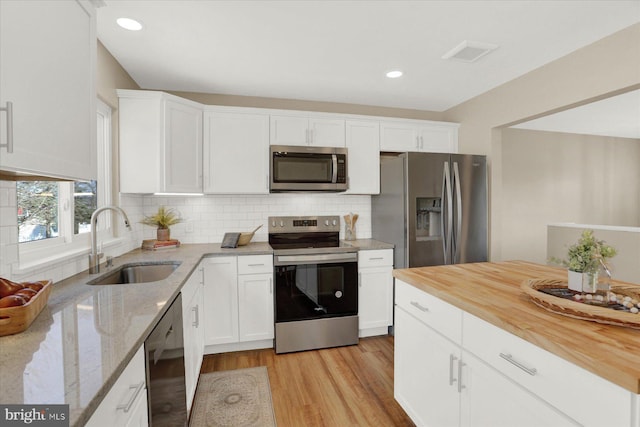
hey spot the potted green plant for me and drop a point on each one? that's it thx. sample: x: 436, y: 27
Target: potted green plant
x: 162, y: 220
x: 584, y: 259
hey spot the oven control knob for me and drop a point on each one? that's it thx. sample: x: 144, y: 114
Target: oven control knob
x: 338, y: 294
x: 281, y: 223
x: 326, y: 222
x: 273, y: 223
x: 334, y: 222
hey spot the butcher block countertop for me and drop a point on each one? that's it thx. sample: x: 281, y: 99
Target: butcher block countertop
x: 491, y: 291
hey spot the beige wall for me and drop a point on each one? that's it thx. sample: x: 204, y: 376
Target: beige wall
x: 318, y: 106
x: 609, y: 66
x: 111, y: 76
x: 552, y: 177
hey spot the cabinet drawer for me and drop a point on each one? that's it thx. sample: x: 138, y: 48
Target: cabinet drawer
x: 441, y: 316
x: 577, y: 392
x: 125, y: 394
x: 255, y: 264
x: 375, y: 258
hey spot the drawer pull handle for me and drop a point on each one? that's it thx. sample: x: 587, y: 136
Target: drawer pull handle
x: 460, y: 366
x: 510, y: 359
x: 452, y: 359
x: 255, y: 265
x: 196, y: 311
x: 126, y: 407
x: 376, y: 258
x: 419, y: 307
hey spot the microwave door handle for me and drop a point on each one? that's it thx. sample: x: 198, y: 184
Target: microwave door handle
x: 334, y: 176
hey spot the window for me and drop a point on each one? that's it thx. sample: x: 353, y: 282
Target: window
x: 53, y: 213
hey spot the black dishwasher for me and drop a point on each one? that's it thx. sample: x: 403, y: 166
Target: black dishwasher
x: 164, y: 356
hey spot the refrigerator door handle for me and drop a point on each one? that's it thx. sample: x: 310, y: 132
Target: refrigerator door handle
x: 446, y: 198
x: 458, y: 228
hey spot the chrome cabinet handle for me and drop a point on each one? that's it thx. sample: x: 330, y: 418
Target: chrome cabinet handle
x: 461, y: 364
x: 126, y: 407
x: 419, y: 307
x: 196, y: 311
x: 452, y: 359
x: 271, y: 286
x: 376, y: 258
x: 9, y: 143
x: 255, y: 265
x: 417, y: 142
x: 359, y: 280
x: 510, y: 359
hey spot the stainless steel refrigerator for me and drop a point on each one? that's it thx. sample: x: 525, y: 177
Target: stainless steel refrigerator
x: 432, y: 207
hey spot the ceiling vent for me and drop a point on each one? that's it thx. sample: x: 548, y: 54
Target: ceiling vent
x: 468, y: 51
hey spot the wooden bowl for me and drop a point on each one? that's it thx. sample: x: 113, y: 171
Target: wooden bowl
x: 245, y: 238
x: 14, y: 320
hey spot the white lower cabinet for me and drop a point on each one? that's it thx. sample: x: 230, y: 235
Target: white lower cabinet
x: 126, y: 402
x: 375, y: 292
x: 238, y: 294
x: 488, y: 398
x: 193, y: 332
x: 453, y: 369
x: 423, y: 371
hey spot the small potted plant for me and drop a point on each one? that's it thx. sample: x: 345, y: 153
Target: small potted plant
x: 162, y: 220
x: 584, y: 260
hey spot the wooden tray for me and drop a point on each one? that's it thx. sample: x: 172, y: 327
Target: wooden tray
x: 579, y: 310
x: 17, y: 319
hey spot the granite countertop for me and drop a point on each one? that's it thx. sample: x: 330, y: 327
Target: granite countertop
x: 86, y: 335
x: 491, y: 291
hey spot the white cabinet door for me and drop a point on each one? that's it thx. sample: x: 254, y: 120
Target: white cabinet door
x: 126, y: 402
x: 375, y: 298
x: 307, y: 130
x: 160, y: 143
x: 255, y: 301
x: 193, y: 331
x: 183, y: 148
x: 425, y: 373
x: 47, y: 73
x: 490, y: 399
x: 236, y: 153
x: 421, y: 136
x: 363, y: 145
x: 399, y: 136
x: 221, y: 299
x: 324, y: 132
x: 289, y: 130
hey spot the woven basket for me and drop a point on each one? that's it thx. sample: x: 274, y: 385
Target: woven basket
x: 578, y: 310
x: 17, y: 319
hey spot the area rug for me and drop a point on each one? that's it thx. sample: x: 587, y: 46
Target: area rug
x: 240, y: 397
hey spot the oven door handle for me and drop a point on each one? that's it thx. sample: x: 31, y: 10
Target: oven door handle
x: 316, y: 258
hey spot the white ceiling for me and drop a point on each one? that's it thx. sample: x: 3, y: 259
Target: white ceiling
x: 616, y: 116
x: 339, y: 51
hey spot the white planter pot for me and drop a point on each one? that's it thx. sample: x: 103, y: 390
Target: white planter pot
x: 575, y: 281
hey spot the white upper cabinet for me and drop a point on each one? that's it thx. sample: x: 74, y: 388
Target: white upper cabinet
x: 417, y: 135
x: 47, y: 79
x: 307, y: 130
x: 160, y: 143
x: 363, y: 145
x: 236, y: 152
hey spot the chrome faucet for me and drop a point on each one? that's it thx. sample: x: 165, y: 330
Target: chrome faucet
x: 94, y: 256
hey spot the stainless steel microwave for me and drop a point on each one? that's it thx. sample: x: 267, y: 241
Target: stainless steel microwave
x: 304, y: 168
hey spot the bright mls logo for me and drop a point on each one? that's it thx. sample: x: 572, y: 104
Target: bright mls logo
x: 34, y: 415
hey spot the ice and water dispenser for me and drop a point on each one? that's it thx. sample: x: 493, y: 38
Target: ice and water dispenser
x: 428, y: 211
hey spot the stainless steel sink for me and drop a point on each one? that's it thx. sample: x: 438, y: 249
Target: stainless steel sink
x: 137, y: 273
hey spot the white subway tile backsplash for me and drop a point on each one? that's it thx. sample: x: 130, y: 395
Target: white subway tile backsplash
x: 207, y: 218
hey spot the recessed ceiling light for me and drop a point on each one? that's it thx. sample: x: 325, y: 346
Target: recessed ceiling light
x: 469, y: 51
x: 129, y: 24
x: 394, y: 74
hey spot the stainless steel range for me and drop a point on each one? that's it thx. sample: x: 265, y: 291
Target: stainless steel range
x: 316, y: 277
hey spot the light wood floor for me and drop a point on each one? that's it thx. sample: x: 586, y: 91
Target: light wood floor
x: 344, y: 386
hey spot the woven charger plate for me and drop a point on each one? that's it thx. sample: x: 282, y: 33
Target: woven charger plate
x: 578, y: 310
